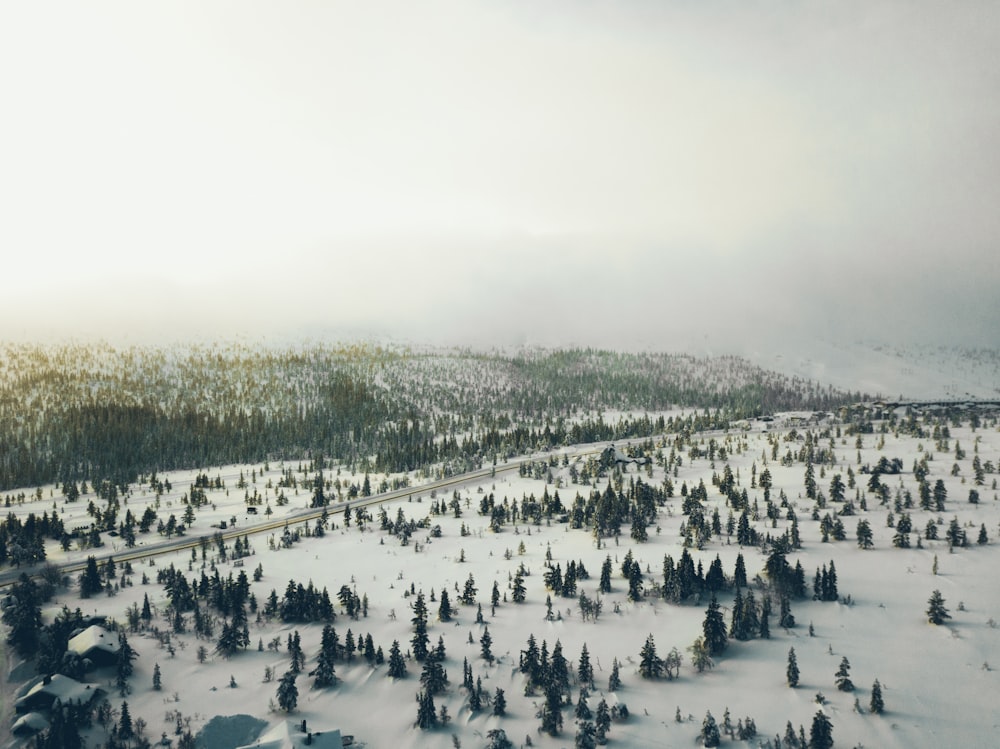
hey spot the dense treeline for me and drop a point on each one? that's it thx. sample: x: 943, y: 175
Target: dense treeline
x: 99, y: 412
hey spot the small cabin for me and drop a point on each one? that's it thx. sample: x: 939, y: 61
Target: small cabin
x: 291, y: 734
x: 95, y: 644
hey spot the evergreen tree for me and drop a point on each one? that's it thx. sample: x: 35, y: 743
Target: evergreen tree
x: 864, y: 532
x: 486, y: 643
x: 90, y: 579
x: 792, y: 669
x: 499, y: 703
x: 420, y: 640
x: 738, y: 628
x: 551, y: 712
x: 650, y: 665
x: 785, y: 618
x: 764, y: 630
x: 877, y: 705
x: 715, y: 578
x: 157, y: 683
x: 397, y: 665
x: 740, y: 573
x: 24, y: 616
x: 444, y: 609
x: 558, y: 671
x: 498, y: 739
x: 426, y: 712
x: 936, y: 611
x: 124, y: 667
x: 614, y: 680
x: 229, y: 640
x: 325, y: 672
x: 586, y: 735
x: 469, y: 591
x: 433, y: 677
x: 584, y: 669
x: 602, y: 721
x: 605, y: 582
x: 710, y: 731
x: 288, y: 693
x: 821, y: 733
x: 582, y: 711
x: 519, y: 592
x: 64, y: 729
x: 842, y: 677
x: 476, y: 699
x: 714, y: 629
x: 830, y: 588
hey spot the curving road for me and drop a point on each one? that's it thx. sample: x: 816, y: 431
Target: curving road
x: 180, y: 543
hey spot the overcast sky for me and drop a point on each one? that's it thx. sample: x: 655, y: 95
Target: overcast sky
x: 632, y: 172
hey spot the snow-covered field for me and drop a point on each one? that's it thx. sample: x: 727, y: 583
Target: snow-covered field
x: 939, y: 682
x: 891, y: 371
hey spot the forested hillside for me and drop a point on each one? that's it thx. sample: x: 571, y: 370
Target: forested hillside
x: 104, y: 412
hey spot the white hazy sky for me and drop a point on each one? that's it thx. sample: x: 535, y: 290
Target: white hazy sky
x: 553, y: 172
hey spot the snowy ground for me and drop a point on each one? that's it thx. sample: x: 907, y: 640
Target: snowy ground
x: 939, y: 682
x: 886, y: 370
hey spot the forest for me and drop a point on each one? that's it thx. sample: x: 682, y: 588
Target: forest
x: 103, y: 412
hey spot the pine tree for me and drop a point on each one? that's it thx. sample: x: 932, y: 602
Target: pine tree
x: 498, y: 739
x: 650, y: 665
x: 614, y: 680
x: 710, y: 731
x: 821, y: 733
x: 586, y: 735
x: 24, y: 616
x: 124, y: 664
x: 485, y: 643
x: 877, y: 705
x: 519, y: 593
x: 605, y: 581
x: 584, y: 669
x: 157, y: 684
x: 288, y: 693
x: 325, y: 672
x: 426, y: 712
x: 125, y: 728
x: 864, y: 533
x: 842, y: 677
x: 499, y: 703
x: 764, y: 630
x: 468, y: 596
x: 936, y: 611
x: 476, y: 698
x: 419, y: 642
x: 551, y: 712
x: 785, y: 617
x: 229, y: 640
x: 582, y: 711
x: 602, y: 721
x: 740, y: 573
x: 714, y: 629
x: 433, y: 677
x: 558, y: 671
x: 90, y: 579
x: 792, y: 670
x: 397, y: 665
x: 444, y: 609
